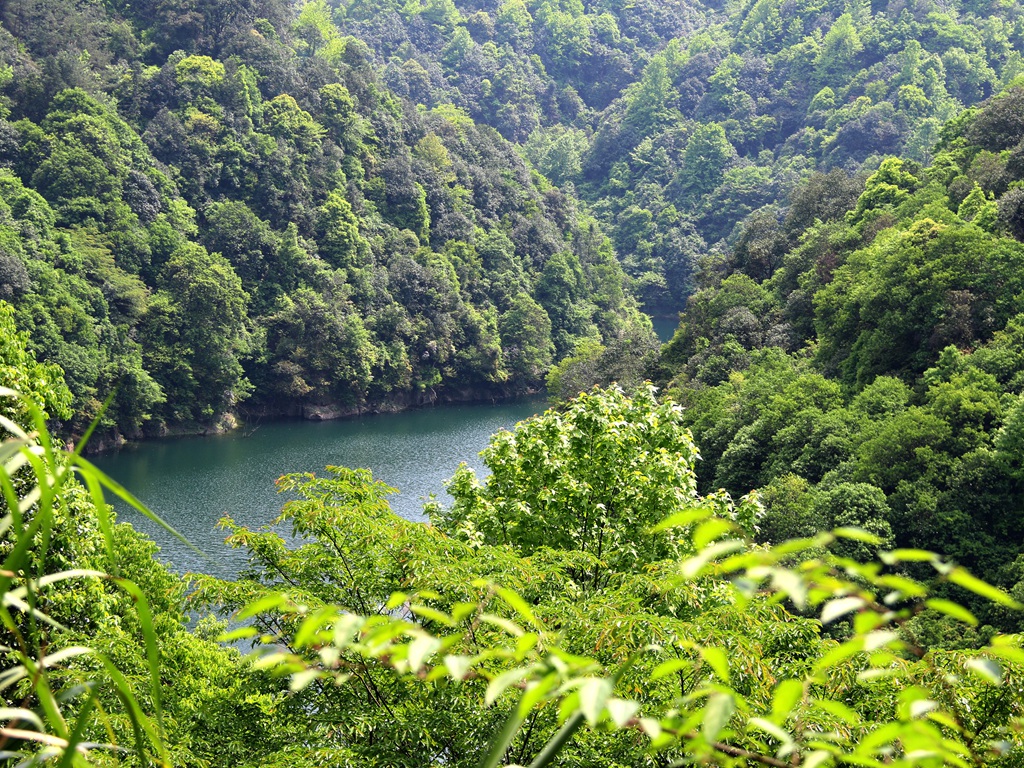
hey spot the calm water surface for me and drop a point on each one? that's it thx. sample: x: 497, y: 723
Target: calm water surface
x: 192, y: 482
x: 665, y: 327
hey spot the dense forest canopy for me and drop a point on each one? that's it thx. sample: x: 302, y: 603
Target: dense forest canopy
x: 563, y: 591
x: 228, y: 204
x: 218, y: 207
x: 330, y: 206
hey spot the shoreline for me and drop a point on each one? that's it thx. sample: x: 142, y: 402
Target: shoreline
x: 240, y: 418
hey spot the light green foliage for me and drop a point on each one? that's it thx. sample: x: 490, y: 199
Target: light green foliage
x: 340, y: 242
x: 691, y: 656
x: 592, y: 479
x: 557, y: 153
x: 840, y: 46
x: 199, y: 72
x: 99, y: 667
x: 41, y: 384
x: 918, y: 281
x: 408, y: 642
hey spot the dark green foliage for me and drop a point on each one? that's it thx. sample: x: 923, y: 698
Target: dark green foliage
x: 246, y: 214
x: 910, y: 304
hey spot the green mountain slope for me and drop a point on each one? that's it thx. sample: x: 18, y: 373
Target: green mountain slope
x: 226, y: 204
x: 872, y: 375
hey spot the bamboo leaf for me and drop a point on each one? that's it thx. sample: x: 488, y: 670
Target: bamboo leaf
x: 962, y: 578
x: 14, y: 714
x: 717, y: 712
x: 953, y: 610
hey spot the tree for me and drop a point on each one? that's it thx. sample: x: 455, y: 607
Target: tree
x: 525, y: 331
x: 196, y: 334
x: 763, y: 686
x: 705, y: 158
x: 42, y: 384
x: 338, y: 234
x: 591, y: 479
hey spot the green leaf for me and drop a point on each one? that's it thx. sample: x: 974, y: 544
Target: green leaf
x: 694, y: 565
x: 684, y: 518
x: 717, y: 660
x: 833, y: 609
x: 921, y: 707
x: 301, y: 680
x: 558, y: 741
x: 669, y: 667
x: 458, y: 666
x: 593, y: 693
x: 499, y: 621
x: 500, y: 744
x: 499, y: 684
x: 792, y: 585
x: 621, y: 711
x: 857, y: 534
x: 962, y: 578
x: 651, y: 727
x: 907, y: 556
x: 710, y: 530
x: 717, y: 712
x: 880, y: 639
x: 987, y: 669
x: 519, y: 605
x: 787, y: 694
x: 432, y: 614
x: 771, y: 729
x: 953, y: 610
x: 265, y: 604
x: 421, y: 649
x: 816, y: 758
x: 240, y: 633
x: 14, y: 714
x: 837, y: 709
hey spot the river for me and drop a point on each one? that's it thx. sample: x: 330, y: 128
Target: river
x: 192, y: 482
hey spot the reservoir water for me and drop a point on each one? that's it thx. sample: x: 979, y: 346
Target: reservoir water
x: 192, y: 482
x: 665, y: 327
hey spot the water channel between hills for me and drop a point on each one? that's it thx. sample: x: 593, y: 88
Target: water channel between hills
x: 192, y: 482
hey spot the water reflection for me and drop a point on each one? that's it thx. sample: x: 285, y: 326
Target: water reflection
x: 192, y: 482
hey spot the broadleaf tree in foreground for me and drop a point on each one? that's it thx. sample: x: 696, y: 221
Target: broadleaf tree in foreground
x: 493, y: 636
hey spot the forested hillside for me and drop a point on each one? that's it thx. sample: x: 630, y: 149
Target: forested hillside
x: 871, y: 373
x: 226, y: 203
x: 326, y: 207
x: 216, y: 207
x: 678, y: 120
